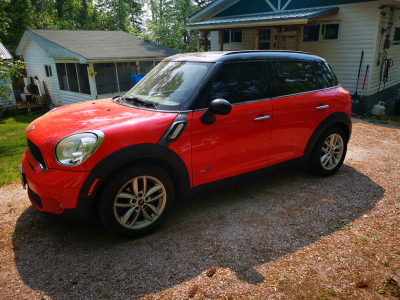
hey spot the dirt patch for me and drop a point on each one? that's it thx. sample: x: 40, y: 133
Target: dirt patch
x: 284, y: 235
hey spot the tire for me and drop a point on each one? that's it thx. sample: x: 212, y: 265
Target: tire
x: 136, y: 201
x: 325, y: 160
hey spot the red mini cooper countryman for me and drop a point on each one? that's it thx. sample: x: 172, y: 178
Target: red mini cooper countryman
x: 194, y: 119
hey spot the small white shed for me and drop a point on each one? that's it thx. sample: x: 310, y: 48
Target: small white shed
x: 80, y: 65
x: 7, y: 102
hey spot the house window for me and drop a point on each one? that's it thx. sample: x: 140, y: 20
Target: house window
x: 265, y: 39
x: 329, y: 31
x: 49, y: 73
x: 310, y: 33
x: 114, y: 77
x: 73, y: 77
x: 236, y: 36
x: 396, y: 38
x: 226, y: 36
x: 232, y: 36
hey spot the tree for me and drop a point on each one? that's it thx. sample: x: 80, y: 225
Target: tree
x: 168, y: 24
x: 9, y: 69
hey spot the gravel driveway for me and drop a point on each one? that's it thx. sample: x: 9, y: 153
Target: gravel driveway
x: 283, y: 235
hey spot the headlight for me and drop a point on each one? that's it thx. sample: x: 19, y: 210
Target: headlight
x: 76, y: 148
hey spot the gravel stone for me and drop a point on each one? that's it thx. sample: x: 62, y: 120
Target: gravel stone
x: 287, y: 234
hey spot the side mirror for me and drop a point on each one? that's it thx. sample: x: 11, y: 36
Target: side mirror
x: 216, y: 107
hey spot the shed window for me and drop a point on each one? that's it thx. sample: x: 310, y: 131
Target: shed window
x: 48, y: 71
x: 396, y: 38
x: 116, y: 77
x: 310, y: 33
x: 73, y: 77
x: 232, y: 36
x: 329, y: 31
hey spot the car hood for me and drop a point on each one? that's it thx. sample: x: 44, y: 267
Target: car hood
x: 89, y: 115
x: 122, y: 125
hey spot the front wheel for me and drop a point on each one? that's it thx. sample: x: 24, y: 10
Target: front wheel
x: 136, y: 201
x: 329, y: 152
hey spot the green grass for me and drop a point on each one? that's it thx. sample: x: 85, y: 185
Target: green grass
x: 12, y: 146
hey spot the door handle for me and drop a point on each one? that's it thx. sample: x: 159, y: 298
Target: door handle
x: 262, y: 118
x: 322, y: 106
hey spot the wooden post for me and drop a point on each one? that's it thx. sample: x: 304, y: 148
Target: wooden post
x: 298, y: 36
x: 205, y: 32
x: 221, y: 40
x: 280, y: 40
x: 257, y: 47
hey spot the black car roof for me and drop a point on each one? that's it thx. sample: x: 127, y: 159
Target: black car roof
x: 229, y: 56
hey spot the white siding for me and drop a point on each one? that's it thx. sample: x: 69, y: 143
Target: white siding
x: 36, y: 58
x: 72, y: 97
x: 248, y: 41
x: 393, y: 52
x: 357, y: 31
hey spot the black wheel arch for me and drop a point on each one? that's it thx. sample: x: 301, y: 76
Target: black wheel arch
x: 138, y: 154
x: 338, y: 119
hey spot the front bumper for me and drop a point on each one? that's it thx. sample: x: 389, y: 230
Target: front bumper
x: 52, y: 190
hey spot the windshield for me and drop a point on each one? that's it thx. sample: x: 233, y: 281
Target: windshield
x: 169, y: 85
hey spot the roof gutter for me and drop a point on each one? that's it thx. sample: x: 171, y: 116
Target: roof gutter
x: 248, y: 25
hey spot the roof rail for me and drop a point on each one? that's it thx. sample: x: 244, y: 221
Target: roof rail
x: 252, y: 51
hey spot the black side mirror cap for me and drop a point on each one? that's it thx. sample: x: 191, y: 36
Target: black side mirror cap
x: 216, y: 107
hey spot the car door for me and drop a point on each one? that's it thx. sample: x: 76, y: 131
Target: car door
x: 237, y: 142
x: 298, y: 106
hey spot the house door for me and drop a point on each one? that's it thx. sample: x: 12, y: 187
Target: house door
x: 265, y: 39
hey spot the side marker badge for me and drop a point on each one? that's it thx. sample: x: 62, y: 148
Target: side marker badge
x: 207, y: 169
x: 31, y: 128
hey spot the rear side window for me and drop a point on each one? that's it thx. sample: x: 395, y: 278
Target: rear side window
x: 238, y: 82
x: 292, y: 77
x: 325, y: 76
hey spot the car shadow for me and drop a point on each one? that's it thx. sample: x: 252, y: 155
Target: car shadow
x: 235, y: 226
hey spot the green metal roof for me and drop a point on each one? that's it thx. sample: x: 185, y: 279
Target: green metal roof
x: 273, y: 18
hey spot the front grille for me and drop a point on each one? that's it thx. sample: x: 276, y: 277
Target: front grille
x: 36, y: 154
x: 35, y: 198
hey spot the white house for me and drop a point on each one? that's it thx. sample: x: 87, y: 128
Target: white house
x: 8, y: 101
x: 80, y: 65
x: 338, y: 30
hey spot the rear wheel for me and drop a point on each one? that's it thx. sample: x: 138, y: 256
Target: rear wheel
x: 329, y: 152
x: 136, y: 201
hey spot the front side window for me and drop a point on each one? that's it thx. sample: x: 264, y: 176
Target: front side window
x: 170, y: 85
x: 292, y: 77
x: 238, y: 82
x: 73, y: 77
x: 329, y: 32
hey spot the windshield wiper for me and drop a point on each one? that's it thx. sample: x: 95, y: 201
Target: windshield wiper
x: 118, y: 98
x: 141, y: 102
